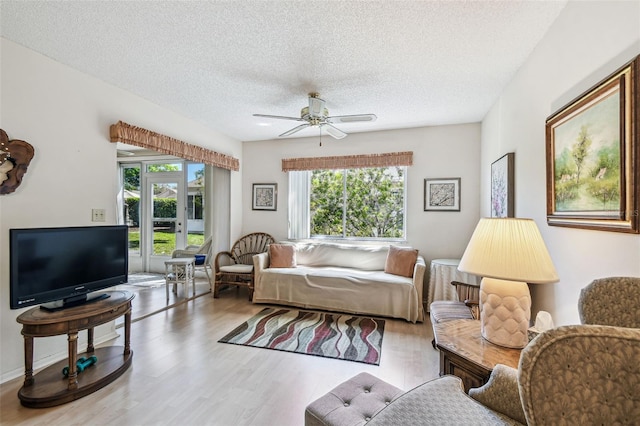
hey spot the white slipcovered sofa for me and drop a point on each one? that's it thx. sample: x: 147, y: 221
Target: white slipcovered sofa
x: 343, y: 278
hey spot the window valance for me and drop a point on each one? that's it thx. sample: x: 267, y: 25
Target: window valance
x: 348, y: 162
x: 132, y: 135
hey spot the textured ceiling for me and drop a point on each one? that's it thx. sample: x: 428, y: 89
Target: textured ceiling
x: 413, y: 63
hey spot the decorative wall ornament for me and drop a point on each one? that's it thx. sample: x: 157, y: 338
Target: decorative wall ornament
x: 133, y: 135
x: 593, y: 156
x: 15, y: 156
x: 442, y: 194
x: 502, y: 193
x: 265, y: 196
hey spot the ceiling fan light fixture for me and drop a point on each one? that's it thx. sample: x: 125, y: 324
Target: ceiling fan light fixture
x: 316, y: 106
x: 306, y: 115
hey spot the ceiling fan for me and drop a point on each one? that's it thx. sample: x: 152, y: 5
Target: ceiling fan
x: 317, y: 115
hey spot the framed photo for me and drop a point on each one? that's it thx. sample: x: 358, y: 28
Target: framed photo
x: 442, y: 194
x: 593, y: 176
x: 265, y: 196
x: 502, y: 193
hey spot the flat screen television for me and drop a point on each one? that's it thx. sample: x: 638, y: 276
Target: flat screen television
x: 59, y: 267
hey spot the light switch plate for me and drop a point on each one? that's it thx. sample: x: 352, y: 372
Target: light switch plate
x: 98, y: 215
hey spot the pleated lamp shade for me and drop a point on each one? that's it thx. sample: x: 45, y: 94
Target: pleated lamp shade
x: 508, y: 249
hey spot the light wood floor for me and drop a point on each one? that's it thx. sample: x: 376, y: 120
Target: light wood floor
x: 180, y: 375
x: 150, y: 300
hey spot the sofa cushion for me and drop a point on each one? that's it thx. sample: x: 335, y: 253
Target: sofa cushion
x: 401, y: 261
x: 282, y: 256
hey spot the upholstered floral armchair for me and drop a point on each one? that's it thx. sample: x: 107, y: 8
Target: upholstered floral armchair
x: 577, y: 374
x: 611, y: 301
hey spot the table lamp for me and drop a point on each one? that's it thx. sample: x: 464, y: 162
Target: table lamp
x: 508, y: 253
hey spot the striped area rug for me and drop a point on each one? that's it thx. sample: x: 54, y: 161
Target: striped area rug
x: 345, y: 337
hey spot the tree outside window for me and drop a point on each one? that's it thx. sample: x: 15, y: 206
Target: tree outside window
x: 358, y: 203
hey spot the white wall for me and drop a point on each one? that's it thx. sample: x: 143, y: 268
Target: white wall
x: 66, y: 116
x: 438, y: 152
x: 588, y: 41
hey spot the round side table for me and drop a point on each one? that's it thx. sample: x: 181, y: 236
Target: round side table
x: 442, y: 272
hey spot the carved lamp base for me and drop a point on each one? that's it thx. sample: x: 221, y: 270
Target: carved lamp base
x: 506, y: 311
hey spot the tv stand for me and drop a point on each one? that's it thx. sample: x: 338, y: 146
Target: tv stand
x: 70, y: 302
x: 50, y: 387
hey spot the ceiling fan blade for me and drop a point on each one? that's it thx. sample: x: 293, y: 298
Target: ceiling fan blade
x: 351, y: 118
x: 294, y: 130
x: 280, y: 117
x: 334, y: 131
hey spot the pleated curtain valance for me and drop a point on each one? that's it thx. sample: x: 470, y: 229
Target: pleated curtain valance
x: 348, y: 162
x: 132, y: 135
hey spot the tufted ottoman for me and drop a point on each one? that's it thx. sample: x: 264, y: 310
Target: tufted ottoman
x: 351, y: 403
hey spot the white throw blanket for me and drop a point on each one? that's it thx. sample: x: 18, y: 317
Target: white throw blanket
x: 344, y: 278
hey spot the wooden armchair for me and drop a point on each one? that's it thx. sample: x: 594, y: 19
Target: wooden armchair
x: 469, y: 294
x: 235, y: 267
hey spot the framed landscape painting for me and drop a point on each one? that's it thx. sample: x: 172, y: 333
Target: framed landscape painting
x: 442, y: 194
x: 502, y: 193
x: 593, y: 176
x: 265, y: 196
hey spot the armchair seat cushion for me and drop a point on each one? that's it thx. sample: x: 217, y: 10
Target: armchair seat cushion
x: 439, y: 402
x: 237, y: 269
x: 351, y: 403
x: 449, y: 310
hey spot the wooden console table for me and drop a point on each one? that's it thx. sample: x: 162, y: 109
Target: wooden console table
x: 464, y: 353
x: 50, y: 387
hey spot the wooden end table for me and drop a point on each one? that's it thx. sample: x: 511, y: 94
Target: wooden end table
x: 465, y: 354
x: 50, y: 387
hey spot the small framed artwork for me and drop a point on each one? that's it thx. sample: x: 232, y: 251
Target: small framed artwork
x: 265, y: 196
x: 502, y: 193
x: 442, y: 194
x: 593, y: 156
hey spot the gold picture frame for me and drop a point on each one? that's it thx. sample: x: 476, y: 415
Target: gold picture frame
x: 592, y: 150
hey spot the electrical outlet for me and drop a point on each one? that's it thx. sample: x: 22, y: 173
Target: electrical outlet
x: 98, y: 215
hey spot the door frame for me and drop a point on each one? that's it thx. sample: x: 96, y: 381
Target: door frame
x: 151, y: 262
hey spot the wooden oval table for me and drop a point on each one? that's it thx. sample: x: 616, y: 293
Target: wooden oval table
x: 50, y: 386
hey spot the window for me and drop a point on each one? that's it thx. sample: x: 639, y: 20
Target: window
x: 360, y: 203
x: 195, y: 188
x: 164, y: 167
x: 130, y: 204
